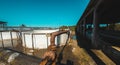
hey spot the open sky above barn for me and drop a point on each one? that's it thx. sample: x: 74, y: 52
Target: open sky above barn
x: 43, y: 13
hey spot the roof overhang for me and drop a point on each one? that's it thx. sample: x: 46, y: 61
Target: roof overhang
x: 107, y: 10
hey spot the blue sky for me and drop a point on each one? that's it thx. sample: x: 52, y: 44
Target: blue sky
x: 42, y: 13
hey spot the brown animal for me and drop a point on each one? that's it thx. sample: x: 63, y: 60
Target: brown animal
x: 49, y: 57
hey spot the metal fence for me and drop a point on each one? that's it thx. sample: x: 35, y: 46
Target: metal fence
x: 9, y: 39
x: 20, y: 41
x: 30, y: 40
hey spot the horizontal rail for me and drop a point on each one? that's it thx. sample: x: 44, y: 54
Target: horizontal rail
x: 37, y: 33
x: 109, y: 36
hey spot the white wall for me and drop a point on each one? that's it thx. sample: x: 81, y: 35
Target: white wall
x: 6, y: 35
x: 63, y: 38
x: 39, y: 41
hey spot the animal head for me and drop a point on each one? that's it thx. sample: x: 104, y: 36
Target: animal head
x: 52, y: 48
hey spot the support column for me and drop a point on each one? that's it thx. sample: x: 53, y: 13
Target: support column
x: 84, y: 27
x: 11, y: 39
x: 95, y: 29
x: 81, y: 26
x: 33, y: 45
x: 2, y: 39
x: 107, y: 26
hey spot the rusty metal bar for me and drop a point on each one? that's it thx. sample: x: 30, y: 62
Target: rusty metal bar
x: 37, y: 33
x: 2, y: 40
x: 11, y: 39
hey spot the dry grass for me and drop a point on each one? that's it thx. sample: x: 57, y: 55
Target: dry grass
x: 82, y: 55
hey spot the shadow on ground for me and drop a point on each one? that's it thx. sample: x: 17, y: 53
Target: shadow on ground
x: 86, y: 44
x: 66, y: 57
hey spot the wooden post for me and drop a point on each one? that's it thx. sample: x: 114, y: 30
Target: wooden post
x: 20, y: 37
x: 107, y: 26
x: 17, y: 38
x: 47, y: 35
x: 33, y: 44
x: 79, y: 28
x: 95, y: 29
x: 84, y: 27
x: 2, y: 40
x: 24, y: 43
x: 11, y: 39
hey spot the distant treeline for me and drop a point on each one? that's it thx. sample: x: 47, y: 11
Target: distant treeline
x: 70, y: 27
x: 114, y: 26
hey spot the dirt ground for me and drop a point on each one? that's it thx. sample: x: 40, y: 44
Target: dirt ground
x: 72, y: 54
x: 79, y: 55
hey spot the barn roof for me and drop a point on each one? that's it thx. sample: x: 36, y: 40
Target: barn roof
x: 108, y: 11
